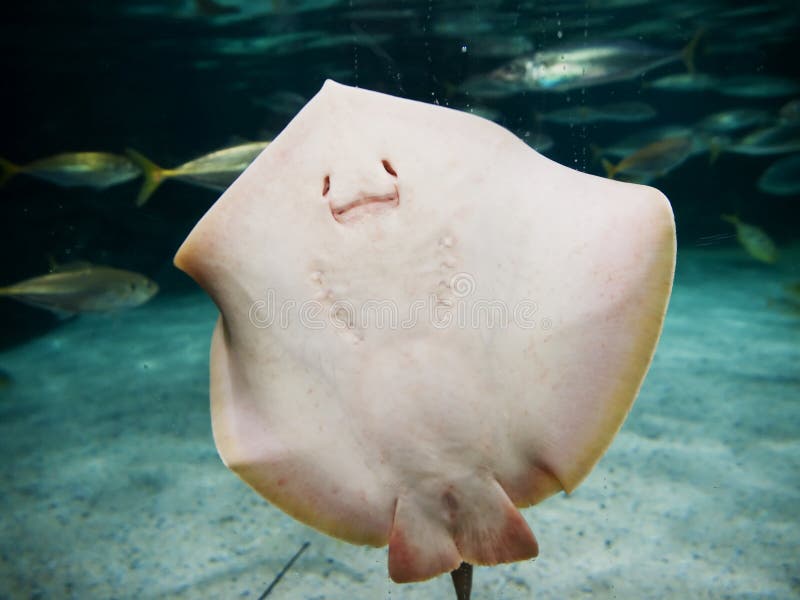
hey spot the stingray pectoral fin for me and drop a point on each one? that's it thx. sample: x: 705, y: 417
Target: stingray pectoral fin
x: 474, y: 523
x: 603, y: 355
x: 333, y: 495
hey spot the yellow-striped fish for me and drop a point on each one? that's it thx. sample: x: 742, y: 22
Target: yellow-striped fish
x: 654, y: 159
x: 216, y: 170
x: 83, y: 287
x: 92, y: 169
x: 754, y: 240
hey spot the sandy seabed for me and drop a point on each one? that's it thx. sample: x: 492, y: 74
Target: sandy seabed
x: 112, y: 488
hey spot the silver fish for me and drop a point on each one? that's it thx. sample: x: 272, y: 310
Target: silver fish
x: 683, y: 82
x: 622, y: 112
x: 735, y: 119
x: 758, y: 86
x: 569, y: 67
x: 770, y: 140
x: 782, y: 177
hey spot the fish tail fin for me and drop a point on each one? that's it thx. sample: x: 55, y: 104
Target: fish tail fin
x: 732, y: 219
x: 689, y: 51
x: 7, y: 170
x: 153, y: 175
x: 611, y: 169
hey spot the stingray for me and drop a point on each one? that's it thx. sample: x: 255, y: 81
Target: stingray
x: 424, y: 326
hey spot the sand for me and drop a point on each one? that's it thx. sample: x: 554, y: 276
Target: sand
x: 111, y: 486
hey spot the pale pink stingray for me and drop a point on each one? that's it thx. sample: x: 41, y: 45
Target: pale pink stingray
x: 420, y: 432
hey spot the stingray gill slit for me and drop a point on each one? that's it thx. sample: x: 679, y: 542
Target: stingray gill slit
x: 373, y: 202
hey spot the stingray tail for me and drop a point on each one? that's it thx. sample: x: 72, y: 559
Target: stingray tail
x: 153, y: 175
x: 479, y: 525
x: 7, y: 170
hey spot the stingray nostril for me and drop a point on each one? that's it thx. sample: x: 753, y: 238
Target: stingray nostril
x: 389, y: 169
x: 326, y: 185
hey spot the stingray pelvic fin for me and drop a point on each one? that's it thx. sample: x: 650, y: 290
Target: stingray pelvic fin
x: 480, y: 527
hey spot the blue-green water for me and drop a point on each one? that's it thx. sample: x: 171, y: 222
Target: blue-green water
x: 111, y: 486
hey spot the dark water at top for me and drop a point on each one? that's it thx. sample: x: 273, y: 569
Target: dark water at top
x: 174, y: 80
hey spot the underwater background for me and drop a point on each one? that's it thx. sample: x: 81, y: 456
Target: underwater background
x: 111, y: 485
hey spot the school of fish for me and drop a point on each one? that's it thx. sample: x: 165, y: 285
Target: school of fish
x: 542, y: 52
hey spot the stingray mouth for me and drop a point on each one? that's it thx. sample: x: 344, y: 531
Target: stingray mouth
x: 366, y: 205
